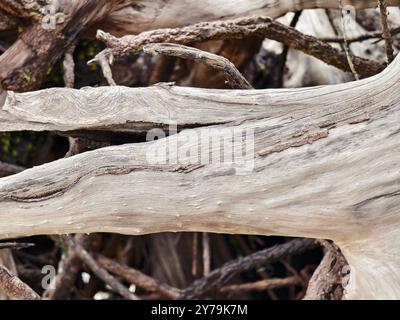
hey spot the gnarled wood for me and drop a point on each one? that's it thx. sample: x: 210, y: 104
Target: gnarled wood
x: 135, y: 16
x: 237, y: 29
x: 151, y: 14
x: 325, y: 165
x: 25, y: 65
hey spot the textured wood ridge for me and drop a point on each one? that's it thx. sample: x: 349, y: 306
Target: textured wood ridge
x: 325, y: 165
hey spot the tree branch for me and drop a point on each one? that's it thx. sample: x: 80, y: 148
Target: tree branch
x: 88, y: 260
x: 364, y: 37
x: 326, y: 282
x: 14, y: 288
x: 234, y: 78
x: 7, y: 169
x: 218, y: 278
x: 25, y: 65
x: 386, y: 31
x: 15, y: 245
x: 261, y: 285
x: 137, y: 278
x: 239, y: 28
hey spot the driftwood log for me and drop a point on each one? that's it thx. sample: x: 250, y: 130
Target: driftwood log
x: 321, y: 162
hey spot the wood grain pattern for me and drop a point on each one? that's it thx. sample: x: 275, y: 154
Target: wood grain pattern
x: 24, y: 66
x: 136, y: 16
x: 333, y: 172
x: 237, y: 29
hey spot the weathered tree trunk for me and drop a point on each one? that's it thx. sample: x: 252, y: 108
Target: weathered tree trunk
x: 324, y: 165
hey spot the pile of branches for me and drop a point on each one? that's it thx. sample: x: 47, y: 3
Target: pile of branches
x: 228, y: 53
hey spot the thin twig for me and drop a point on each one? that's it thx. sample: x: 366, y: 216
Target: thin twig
x: 14, y: 288
x: 285, y: 51
x: 89, y: 261
x: 238, y: 29
x: 15, y: 245
x: 221, y: 276
x: 69, y: 268
x: 386, y: 31
x: 194, y: 253
x: 105, y: 67
x: 364, y: 37
x: 262, y: 285
x: 206, y: 254
x: 293, y: 271
x: 69, y: 66
x: 233, y: 76
x: 137, y: 278
x: 346, y: 45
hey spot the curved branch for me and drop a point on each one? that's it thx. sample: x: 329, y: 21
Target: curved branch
x: 221, y: 276
x: 153, y: 14
x: 25, y: 64
x: 238, y: 29
x: 233, y: 76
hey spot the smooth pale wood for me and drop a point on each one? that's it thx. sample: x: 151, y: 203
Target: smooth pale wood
x: 132, y: 17
x: 120, y: 109
x: 325, y: 166
x: 122, y: 17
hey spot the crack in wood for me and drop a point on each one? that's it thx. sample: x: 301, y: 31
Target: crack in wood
x: 102, y: 171
x: 307, y: 138
x: 385, y: 195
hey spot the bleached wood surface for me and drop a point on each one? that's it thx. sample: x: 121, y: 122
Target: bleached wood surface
x: 325, y: 166
x: 135, y: 16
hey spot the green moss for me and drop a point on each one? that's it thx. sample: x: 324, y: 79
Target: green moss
x: 26, y: 76
x: 35, y: 15
x: 20, y: 147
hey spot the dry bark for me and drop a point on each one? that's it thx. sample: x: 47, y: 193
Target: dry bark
x: 218, y: 278
x: 386, y: 31
x: 135, y: 16
x: 238, y: 29
x: 7, y: 169
x: 327, y: 281
x: 89, y: 261
x: 261, y: 285
x: 26, y: 64
x: 14, y: 288
x: 137, y: 278
x: 233, y: 77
